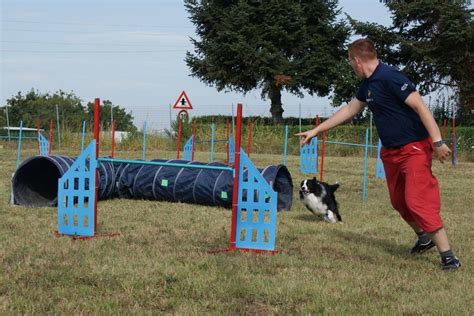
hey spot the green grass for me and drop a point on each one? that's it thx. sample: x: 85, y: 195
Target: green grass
x: 160, y: 262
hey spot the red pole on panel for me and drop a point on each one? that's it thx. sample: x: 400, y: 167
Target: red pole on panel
x: 96, y: 137
x: 113, y: 138
x: 38, y: 134
x: 227, y: 141
x: 249, y: 138
x: 50, y: 136
x: 194, y: 139
x: 178, y: 141
x: 321, y: 174
x: 235, y: 189
x: 322, y: 157
x: 444, y: 128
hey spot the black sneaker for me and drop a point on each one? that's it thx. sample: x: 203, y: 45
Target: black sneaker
x: 420, y: 248
x: 450, y: 263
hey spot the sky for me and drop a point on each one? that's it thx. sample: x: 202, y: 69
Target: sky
x: 129, y: 52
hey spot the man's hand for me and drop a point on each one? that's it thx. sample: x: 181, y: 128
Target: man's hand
x: 442, y: 152
x: 306, y: 136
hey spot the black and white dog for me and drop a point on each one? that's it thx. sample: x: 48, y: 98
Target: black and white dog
x: 318, y: 197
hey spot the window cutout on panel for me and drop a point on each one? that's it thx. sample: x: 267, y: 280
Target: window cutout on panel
x: 86, y: 221
x: 267, y: 197
x: 76, y: 183
x: 86, y: 202
x: 254, y: 235
x: 266, y: 235
x: 66, y: 184
x: 243, y: 216
x: 86, y: 184
x: 242, y: 235
x: 256, y: 197
x: 65, y: 220
x: 87, y: 164
x: 75, y: 220
x: 66, y: 201
x: 245, y: 195
x: 266, y: 218
x: 255, y: 216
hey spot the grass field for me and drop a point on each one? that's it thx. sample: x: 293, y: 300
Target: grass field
x: 160, y: 262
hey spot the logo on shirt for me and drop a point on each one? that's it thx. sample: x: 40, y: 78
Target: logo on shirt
x: 404, y: 87
x: 369, y: 94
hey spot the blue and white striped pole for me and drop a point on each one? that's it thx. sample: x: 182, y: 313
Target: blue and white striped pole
x: 19, y: 145
x: 366, y: 156
x: 144, y: 142
x: 213, y: 127
x: 83, y: 133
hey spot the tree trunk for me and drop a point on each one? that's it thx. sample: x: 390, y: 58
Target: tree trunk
x: 276, y: 109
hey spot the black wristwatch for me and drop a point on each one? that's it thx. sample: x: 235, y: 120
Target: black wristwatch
x: 438, y: 143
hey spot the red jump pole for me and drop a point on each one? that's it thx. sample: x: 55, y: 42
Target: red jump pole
x: 249, y: 138
x: 194, y: 140
x: 321, y: 174
x: 235, y: 189
x: 113, y: 138
x: 96, y: 137
x: 50, y: 136
x: 38, y: 134
x: 178, y: 141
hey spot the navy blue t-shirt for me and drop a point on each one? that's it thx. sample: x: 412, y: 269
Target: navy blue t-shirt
x: 385, y: 92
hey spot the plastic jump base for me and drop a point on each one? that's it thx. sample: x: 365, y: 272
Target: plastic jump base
x: 379, y: 170
x: 188, y: 149
x: 309, y: 157
x: 76, y: 196
x: 44, y: 145
x: 257, y: 209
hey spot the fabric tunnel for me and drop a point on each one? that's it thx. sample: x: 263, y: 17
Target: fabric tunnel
x: 35, y: 182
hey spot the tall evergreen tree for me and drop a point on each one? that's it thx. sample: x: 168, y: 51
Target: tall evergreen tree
x: 273, y: 45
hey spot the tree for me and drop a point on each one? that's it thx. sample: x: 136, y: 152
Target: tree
x: 34, y: 106
x: 433, y: 43
x: 269, y: 45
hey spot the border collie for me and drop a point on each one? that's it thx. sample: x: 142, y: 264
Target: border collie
x: 319, y: 199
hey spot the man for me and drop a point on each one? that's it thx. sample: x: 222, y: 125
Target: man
x: 409, y: 135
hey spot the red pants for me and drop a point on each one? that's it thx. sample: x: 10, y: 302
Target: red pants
x: 413, y: 189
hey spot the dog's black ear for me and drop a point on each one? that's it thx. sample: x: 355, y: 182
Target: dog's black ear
x: 314, y: 178
x: 334, y: 187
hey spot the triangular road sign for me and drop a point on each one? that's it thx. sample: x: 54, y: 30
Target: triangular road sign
x: 182, y: 102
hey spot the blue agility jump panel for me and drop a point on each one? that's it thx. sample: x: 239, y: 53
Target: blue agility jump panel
x: 231, y: 150
x: 309, y: 157
x: 43, y: 145
x: 76, y: 195
x: 188, y: 149
x: 379, y: 170
x: 257, y: 209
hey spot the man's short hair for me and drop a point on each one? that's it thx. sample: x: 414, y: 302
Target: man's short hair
x: 363, y: 48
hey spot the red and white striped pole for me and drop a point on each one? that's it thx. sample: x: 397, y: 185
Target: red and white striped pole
x: 38, y: 135
x: 235, y: 189
x: 50, y: 136
x: 96, y: 137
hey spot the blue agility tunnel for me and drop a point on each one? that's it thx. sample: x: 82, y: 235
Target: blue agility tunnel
x: 35, y: 182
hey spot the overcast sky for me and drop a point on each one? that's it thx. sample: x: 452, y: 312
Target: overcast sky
x: 129, y: 52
